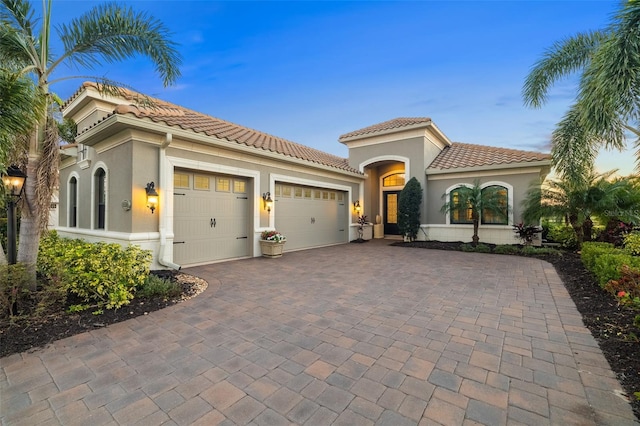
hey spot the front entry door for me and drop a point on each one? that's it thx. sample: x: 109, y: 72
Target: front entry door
x: 391, y: 212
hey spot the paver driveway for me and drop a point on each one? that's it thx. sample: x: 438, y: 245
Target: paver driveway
x: 355, y: 334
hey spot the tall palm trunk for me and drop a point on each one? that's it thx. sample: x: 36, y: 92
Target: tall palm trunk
x: 29, y: 223
x: 476, y: 225
x: 577, y: 228
x: 587, y: 229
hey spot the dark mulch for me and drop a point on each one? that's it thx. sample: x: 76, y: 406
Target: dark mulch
x: 25, y: 333
x: 611, y: 325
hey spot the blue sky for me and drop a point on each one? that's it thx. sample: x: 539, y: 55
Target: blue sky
x: 311, y: 71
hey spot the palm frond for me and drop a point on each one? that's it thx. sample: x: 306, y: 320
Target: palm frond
x: 18, y: 13
x: 111, y: 33
x: 563, y: 58
x: 573, y: 149
x: 610, y: 88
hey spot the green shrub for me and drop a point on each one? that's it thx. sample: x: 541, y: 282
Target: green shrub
x: 507, y: 249
x: 627, y: 288
x: 157, y: 286
x: 632, y: 243
x: 608, y: 266
x: 100, y: 273
x: 480, y: 248
x: 14, y: 288
x: 409, y: 203
x: 562, y: 234
x: 529, y: 250
x: 591, y: 250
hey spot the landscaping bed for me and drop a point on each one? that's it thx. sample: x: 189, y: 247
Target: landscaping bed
x: 26, y: 333
x: 610, y: 324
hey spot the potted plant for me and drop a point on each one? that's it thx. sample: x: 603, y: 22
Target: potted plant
x: 272, y: 243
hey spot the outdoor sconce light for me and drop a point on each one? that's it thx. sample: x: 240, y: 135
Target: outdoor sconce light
x: 267, y: 201
x: 152, y: 196
x: 13, y: 182
x: 356, y: 207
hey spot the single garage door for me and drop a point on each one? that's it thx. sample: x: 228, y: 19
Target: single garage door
x: 310, y: 217
x: 211, y: 217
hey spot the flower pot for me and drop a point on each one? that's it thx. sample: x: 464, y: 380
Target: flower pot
x: 271, y: 248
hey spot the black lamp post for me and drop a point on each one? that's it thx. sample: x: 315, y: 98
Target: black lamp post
x: 13, y: 182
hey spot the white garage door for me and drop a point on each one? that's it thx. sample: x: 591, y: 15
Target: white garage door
x: 211, y: 217
x: 310, y: 217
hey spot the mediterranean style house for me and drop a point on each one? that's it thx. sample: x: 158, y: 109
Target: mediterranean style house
x: 219, y: 184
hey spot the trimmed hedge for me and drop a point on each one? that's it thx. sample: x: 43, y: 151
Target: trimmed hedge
x: 632, y: 243
x: 105, y: 275
x: 591, y: 250
x: 607, y: 262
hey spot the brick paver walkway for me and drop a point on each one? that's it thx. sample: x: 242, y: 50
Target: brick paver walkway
x: 357, y: 334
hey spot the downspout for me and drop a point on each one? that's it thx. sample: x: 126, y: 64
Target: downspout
x: 163, y: 216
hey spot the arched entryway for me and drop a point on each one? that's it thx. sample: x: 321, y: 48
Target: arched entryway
x: 381, y: 190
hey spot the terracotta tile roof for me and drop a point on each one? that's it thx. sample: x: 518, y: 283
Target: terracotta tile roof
x: 177, y: 116
x: 463, y: 155
x: 396, y: 123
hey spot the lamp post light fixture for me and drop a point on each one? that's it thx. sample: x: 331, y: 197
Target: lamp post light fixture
x: 13, y: 182
x: 356, y: 207
x: 152, y: 196
x: 267, y: 201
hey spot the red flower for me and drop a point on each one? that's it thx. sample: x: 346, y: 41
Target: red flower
x: 622, y: 293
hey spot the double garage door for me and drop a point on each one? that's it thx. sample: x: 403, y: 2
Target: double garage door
x: 213, y: 216
x: 310, y: 216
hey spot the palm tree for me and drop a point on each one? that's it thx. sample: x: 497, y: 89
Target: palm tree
x: 474, y: 202
x: 106, y: 33
x: 607, y: 105
x: 577, y: 205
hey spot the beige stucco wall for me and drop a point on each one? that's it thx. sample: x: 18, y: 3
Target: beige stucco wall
x: 117, y: 164
x: 418, y: 151
x: 438, y: 184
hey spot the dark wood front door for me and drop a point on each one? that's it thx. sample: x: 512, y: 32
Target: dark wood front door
x: 391, y: 212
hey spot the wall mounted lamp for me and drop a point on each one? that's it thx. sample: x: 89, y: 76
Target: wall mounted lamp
x: 152, y: 196
x: 356, y: 207
x: 13, y: 182
x: 267, y: 201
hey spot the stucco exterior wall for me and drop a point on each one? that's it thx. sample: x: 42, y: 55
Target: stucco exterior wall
x: 411, y: 149
x: 438, y: 185
x: 117, y: 163
x: 144, y: 169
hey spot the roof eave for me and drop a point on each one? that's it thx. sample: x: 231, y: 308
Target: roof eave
x: 117, y: 122
x: 425, y: 125
x: 523, y: 164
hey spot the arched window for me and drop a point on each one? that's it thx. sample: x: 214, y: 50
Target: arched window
x: 459, y: 213
x: 72, y: 220
x: 100, y: 198
x: 498, y: 197
x: 396, y: 179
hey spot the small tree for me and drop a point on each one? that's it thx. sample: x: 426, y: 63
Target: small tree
x: 409, y: 204
x: 477, y: 200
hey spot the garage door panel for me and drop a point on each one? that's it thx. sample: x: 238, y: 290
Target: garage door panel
x: 310, y: 222
x: 210, y: 225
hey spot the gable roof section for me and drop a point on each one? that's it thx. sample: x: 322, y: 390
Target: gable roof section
x: 176, y: 116
x: 464, y: 155
x: 396, y: 124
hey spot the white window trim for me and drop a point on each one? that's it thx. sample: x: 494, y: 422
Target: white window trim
x: 103, y: 166
x: 407, y: 172
x: 69, y: 203
x: 482, y: 186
